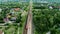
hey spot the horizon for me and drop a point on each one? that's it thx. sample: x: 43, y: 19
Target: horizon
x: 35, y: 1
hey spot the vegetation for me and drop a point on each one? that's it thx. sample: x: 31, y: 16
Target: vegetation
x: 20, y: 21
x: 46, y: 20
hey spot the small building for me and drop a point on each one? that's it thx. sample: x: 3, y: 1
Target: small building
x: 48, y: 32
x: 51, y: 7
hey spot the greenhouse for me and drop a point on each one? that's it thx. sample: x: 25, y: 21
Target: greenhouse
x: 29, y: 16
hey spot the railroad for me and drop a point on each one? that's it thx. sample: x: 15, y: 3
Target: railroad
x: 28, y: 25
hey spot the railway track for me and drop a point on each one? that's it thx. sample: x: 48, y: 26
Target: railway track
x: 28, y: 25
